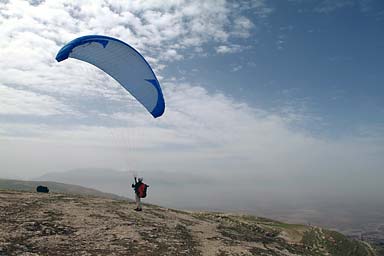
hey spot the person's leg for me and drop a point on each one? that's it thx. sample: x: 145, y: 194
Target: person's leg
x: 138, y: 204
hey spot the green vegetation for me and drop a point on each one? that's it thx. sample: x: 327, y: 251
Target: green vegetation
x: 303, y: 240
x: 319, y: 241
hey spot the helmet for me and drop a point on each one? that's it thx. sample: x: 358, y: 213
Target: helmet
x: 140, y: 179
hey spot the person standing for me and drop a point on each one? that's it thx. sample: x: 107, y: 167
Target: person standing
x: 140, y: 192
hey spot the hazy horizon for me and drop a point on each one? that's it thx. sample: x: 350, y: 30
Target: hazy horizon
x: 335, y: 209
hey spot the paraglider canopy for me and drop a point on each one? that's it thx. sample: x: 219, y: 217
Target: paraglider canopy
x: 122, y: 62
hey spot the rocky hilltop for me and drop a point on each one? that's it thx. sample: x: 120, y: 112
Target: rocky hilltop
x: 56, y: 187
x: 62, y: 224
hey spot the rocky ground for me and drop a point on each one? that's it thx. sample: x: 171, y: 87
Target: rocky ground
x: 60, y: 224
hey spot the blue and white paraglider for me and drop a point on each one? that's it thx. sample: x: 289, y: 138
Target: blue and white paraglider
x: 122, y: 62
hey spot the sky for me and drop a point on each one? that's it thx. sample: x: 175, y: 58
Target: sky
x: 287, y: 93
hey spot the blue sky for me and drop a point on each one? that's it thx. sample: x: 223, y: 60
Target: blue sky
x: 326, y: 61
x: 267, y: 87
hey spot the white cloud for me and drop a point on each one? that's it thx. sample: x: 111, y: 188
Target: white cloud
x: 236, y: 68
x: 328, y: 6
x: 225, y: 49
x: 242, y: 27
x: 258, y: 7
x: 200, y: 131
x: 22, y: 102
x: 33, y: 33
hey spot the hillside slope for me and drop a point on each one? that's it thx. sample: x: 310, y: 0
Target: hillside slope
x: 55, y: 187
x: 61, y: 224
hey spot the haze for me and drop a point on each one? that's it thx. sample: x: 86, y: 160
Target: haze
x: 271, y: 108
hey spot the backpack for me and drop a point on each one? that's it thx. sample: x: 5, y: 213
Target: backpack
x: 142, y: 190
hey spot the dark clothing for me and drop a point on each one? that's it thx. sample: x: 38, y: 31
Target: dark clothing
x: 136, y: 186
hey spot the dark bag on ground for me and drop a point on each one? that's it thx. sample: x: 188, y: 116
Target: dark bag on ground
x: 42, y: 189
